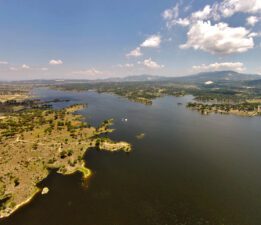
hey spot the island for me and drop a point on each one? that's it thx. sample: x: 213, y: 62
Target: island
x: 140, y: 136
x: 224, y: 92
x: 245, y: 108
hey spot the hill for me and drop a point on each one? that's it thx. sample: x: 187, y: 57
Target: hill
x: 219, y: 76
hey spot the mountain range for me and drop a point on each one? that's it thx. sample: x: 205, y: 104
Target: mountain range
x: 199, y: 78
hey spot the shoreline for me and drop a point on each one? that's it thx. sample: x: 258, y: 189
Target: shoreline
x: 18, y: 206
x: 243, y: 109
x: 86, y: 174
x: 231, y: 112
x: 59, y: 143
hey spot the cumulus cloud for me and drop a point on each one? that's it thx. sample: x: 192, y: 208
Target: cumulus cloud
x: 230, y: 7
x: 252, y: 20
x: 171, y: 17
x: 24, y: 66
x: 216, y: 11
x: 202, y: 14
x: 152, y: 42
x: 3, y: 62
x: 227, y: 8
x: 135, y: 53
x: 218, y: 38
x: 55, y: 62
x: 149, y: 63
x: 235, y: 66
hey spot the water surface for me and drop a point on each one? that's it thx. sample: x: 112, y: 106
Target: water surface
x: 189, y: 169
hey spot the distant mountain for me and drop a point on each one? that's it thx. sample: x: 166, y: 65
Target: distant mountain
x: 137, y: 78
x: 200, y: 78
x: 219, y: 76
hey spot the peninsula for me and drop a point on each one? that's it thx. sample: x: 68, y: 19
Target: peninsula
x: 35, y: 141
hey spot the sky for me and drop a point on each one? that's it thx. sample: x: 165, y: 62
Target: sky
x: 94, y: 39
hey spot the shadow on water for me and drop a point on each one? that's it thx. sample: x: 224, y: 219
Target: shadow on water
x: 188, y: 169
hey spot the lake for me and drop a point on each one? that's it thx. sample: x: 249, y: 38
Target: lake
x: 189, y: 169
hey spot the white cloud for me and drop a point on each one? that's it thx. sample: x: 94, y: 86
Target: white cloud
x: 182, y: 22
x: 3, y: 62
x: 172, y: 13
x: 230, y: 7
x: 254, y: 34
x: 218, y: 38
x: 252, y: 20
x: 217, y: 10
x: 227, y: 8
x: 206, y: 13
x: 24, y: 66
x: 55, y: 62
x: 152, y: 42
x: 90, y: 72
x: 151, y: 64
x: 202, y: 14
x: 208, y: 35
x: 235, y: 66
x: 135, y: 53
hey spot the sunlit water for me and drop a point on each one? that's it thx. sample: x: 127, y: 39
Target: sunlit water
x: 189, y: 169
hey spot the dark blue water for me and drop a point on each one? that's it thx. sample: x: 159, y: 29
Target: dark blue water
x: 188, y: 170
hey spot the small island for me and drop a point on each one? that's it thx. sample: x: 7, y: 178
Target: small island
x: 140, y: 136
x: 246, y: 108
x: 35, y: 141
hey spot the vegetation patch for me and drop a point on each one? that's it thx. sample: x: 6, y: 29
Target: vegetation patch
x: 34, y: 141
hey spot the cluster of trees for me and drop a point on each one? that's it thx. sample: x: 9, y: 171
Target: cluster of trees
x: 245, y: 107
x: 12, y: 106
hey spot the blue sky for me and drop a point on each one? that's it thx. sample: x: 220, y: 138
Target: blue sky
x: 107, y: 38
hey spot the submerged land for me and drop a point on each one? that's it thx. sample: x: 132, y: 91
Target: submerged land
x: 37, y: 139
